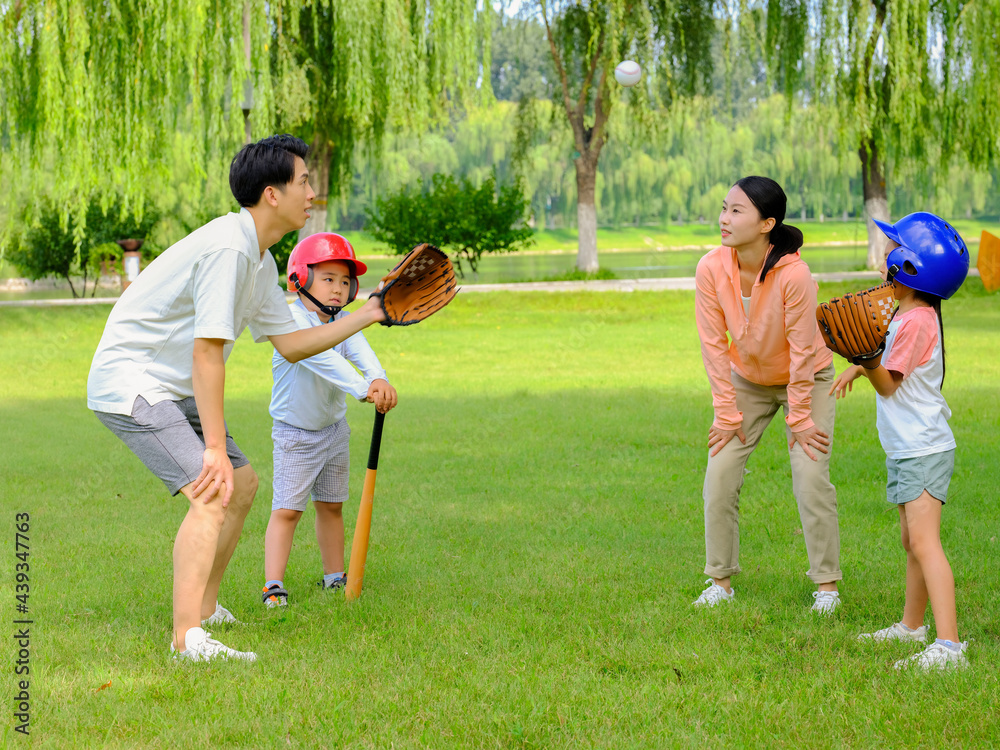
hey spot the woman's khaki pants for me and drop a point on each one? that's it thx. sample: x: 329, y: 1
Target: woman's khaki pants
x: 816, y: 497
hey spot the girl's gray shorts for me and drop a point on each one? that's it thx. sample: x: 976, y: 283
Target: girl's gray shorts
x: 167, y: 437
x: 909, y: 477
x: 310, y: 462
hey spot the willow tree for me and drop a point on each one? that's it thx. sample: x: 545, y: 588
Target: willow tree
x: 670, y: 39
x: 92, y: 92
x: 350, y: 69
x: 913, y: 80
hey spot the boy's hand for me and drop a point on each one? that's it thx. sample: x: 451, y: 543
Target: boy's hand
x: 382, y: 395
x: 844, y: 382
x: 373, y: 307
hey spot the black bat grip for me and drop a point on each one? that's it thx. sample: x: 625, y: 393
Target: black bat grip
x: 376, y: 440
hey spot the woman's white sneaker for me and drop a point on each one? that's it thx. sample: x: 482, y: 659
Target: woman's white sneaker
x: 826, y: 602
x: 896, y: 632
x: 713, y: 595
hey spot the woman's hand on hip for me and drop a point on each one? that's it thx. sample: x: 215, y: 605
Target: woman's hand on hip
x: 813, y: 437
x: 717, y: 438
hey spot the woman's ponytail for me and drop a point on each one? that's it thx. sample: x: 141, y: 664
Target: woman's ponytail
x: 786, y: 240
x: 770, y: 200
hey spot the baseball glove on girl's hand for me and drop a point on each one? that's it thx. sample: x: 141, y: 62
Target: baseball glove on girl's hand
x: 421, y: 284
x: 855, y: 325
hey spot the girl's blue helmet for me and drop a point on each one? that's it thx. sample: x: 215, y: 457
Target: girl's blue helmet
x: 931, y: 257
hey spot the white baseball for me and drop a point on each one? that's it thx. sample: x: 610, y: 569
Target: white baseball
x: 628, y: 73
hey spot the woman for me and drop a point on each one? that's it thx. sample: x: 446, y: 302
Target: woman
x: 757, y: 289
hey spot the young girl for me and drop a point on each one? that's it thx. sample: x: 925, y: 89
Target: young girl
x: 926, y: 261
x: 755, y: 306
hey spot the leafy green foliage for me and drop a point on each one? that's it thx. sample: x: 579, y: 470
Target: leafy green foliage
x: 95, y: 90
x: 455, y: 215
x: 521, y: 65
x: 47, y: 248
x: 348, y: 70
x: 910, y: 77
x: 115, y: 223
x: 50, y: 247
x: 92, y: 93
x: 281, y: 250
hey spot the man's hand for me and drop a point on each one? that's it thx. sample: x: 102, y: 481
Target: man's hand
x: 382, y: 395
x: 216, y: 478
x: 208, y: 378
x: 717, y: 438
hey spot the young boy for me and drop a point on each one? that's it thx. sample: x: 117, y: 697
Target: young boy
x: 308, y: 404
x: 157, y: 379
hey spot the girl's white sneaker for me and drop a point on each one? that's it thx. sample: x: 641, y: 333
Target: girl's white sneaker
x: 936, y: 656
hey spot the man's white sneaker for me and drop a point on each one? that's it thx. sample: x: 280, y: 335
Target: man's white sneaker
x: 826, y: 602
x: 896, y: 632
x: 221, y: 616
x: 200, y: 646
x: 713, y: 595
x: 936, y: 656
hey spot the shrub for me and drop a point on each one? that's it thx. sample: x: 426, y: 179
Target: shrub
x: 456, y: 216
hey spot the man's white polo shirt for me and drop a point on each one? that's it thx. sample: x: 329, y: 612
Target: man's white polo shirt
x: 212, y: 284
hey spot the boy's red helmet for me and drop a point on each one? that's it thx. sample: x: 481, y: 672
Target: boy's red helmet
x: 320, y: 248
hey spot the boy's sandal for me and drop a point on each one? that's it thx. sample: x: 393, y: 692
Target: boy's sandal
x: 338, y: 583
x: 275, y: 596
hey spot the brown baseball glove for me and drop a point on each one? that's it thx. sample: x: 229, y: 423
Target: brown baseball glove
x: 421, y: 284
x: 855, y: 325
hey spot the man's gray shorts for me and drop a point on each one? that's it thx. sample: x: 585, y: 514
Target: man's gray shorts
x: 310, y: 462
x: 167, y: 437
x: 909, y: 477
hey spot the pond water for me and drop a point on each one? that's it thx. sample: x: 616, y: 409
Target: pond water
x: 514, y: 267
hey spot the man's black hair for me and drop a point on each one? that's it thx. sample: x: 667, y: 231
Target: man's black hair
x: 270, y: 161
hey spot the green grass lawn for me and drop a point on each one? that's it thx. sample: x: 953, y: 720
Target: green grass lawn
x: 536, y: 546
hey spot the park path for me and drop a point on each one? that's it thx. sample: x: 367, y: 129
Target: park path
x: 600, y: 285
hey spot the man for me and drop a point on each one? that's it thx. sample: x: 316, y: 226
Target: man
x: 157, y: 379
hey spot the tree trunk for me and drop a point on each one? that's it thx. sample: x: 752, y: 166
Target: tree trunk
x: 319, y: 178
x: 876, y: 202
x: 586, y: 215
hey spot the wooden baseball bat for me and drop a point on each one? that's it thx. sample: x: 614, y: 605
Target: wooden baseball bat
x: 359, y: 545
